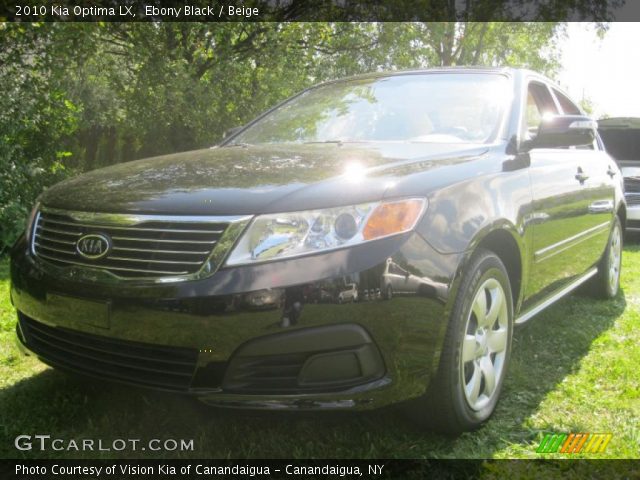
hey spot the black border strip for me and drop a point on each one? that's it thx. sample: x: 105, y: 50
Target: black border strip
x: 318, y: 10
x: 328, y: 468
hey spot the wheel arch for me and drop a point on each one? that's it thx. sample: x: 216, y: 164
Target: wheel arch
x: 502, y: 243
x: 622, y: 214
x: 502, y: 239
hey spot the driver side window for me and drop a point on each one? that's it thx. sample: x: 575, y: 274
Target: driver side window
x: 539, y: 103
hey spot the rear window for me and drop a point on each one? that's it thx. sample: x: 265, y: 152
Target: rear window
x: 622, y: 144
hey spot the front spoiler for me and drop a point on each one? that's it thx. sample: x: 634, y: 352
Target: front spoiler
x: 358, y: 398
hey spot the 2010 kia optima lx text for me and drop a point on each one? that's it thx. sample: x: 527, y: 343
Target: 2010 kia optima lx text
x: 369, y: 241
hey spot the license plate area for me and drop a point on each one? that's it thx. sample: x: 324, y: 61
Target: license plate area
x: 73, y: 311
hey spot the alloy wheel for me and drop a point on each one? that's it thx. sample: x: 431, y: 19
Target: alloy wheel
x: 615, y: 257
x: 484, y: 346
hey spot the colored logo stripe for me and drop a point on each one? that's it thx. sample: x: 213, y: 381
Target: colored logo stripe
x: 598, y: 442
x: 574, y: 443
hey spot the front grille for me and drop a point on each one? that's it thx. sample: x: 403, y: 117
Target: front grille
x: 144, y: 364
x: 632, y: 184
x: 142, y: 246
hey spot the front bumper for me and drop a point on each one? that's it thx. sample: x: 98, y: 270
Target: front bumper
x: 633, y: 215
x: 267, y: 336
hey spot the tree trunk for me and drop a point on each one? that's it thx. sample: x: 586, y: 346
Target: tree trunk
x: 110, y: 149
x: 91, y: 141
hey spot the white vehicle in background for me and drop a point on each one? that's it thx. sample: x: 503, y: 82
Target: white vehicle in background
x: 349, y: 294
x: 396, y: 279
x: 621, y: 138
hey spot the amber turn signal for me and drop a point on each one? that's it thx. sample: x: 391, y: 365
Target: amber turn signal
x: 394, y: 217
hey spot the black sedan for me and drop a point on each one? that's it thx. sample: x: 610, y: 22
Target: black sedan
x: 369, y: 241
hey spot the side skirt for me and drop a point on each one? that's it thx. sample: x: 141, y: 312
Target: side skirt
x: 554, y: 297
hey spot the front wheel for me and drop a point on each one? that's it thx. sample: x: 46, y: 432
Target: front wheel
x: 476, y: 351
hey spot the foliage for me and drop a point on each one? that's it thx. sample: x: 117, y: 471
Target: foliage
x: 34, y: 115
x: 80, y: 96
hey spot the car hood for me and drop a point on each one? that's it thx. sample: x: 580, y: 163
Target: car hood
x: 621, y: 137
x: 258, y: 179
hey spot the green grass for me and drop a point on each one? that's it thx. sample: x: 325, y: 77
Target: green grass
x: 574, y: 369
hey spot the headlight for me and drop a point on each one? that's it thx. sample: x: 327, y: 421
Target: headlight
x: 277, y: 236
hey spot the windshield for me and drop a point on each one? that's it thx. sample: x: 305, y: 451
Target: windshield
x: 443, y: 107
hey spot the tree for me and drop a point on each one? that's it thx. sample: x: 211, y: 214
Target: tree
x: 79, y: 96
x: 34, y: 115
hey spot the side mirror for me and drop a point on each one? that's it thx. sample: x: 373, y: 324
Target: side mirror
x: 231, y: 132
x: 561, y: 131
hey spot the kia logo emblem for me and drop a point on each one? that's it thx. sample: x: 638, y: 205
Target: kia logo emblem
x: 93, y: 246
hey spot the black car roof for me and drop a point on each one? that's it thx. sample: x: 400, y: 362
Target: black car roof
x: 467, y: 69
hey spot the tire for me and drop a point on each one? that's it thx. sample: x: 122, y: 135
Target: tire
x: 476, y: 351
x: 606, y: 283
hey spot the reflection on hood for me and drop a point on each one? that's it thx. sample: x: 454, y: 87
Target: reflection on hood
x: 242, y: 180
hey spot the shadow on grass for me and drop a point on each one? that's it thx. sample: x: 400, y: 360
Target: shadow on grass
x: 71, y: 407
x: 551, y: 346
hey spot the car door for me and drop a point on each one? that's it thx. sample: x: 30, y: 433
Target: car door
x: 560, y: 218
x: 600, y: 176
